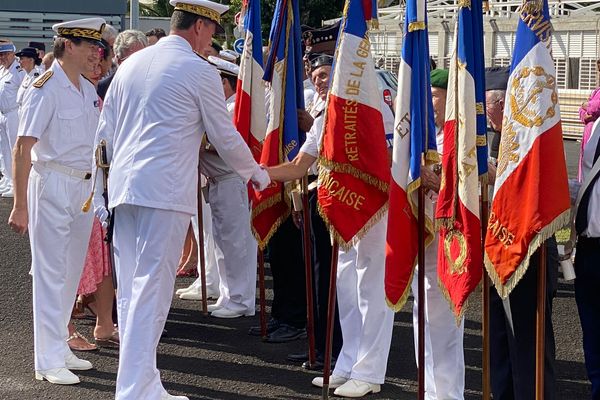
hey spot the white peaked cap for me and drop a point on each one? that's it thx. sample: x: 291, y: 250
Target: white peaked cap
x: 228, y: 55
x: 205, y: 8
x: 86, y: 28
x: 224, y: 66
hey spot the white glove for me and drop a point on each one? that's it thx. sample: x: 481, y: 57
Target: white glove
x: 261, y: 179
x: 100, y: 210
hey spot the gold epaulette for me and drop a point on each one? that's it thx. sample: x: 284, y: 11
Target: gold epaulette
x: 43, y: 79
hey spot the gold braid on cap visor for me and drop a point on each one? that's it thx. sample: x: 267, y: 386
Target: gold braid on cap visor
x: 82, y: 32
x: 200, y: 10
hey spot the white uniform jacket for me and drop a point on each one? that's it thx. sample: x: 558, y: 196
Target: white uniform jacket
x: 10, y: 80
x: 63, y: 124
x: 153, y: 117
x: 26, y: 83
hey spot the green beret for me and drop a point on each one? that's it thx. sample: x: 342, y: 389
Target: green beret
x: 439, y: 78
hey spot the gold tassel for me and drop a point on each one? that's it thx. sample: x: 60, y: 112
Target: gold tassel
x: 416, y: 26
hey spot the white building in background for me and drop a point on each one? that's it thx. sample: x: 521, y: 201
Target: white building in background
x: 575, y: 45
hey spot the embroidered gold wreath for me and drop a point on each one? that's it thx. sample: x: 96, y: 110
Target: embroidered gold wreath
x: 509, y: 146
x: 82, y: 32
x: 457, y: 265
x: 526, y: 99
x: 199, y: 10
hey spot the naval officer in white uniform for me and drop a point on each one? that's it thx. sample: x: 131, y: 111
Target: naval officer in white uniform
x: 235, y: 245
x: 10, y: 80
x: 30, y: 63
x: 58, y: 120
x: 157, y: 107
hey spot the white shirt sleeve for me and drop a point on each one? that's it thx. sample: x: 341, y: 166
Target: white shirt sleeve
x: 311, y: 144
x: 220, y: 129
x: 36, y: 112
x: 106, y: 125
x: 9, y: 86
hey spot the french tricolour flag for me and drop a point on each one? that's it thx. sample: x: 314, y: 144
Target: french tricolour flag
x: 284, y: 73
x: 531, y: 195
x: 414, y: 138
x: 354, y: 173
x: 459, y: 252
x: 250, y: 92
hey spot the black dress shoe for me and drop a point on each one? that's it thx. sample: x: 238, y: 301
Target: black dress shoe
x: 286, y: 333
x: 318, y: 364
x: 298, y: 357
x: 272, y: 326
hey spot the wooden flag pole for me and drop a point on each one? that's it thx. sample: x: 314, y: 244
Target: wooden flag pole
x: 262, y: 298
x: 421, y: 291
x: 486, y: 386
x: 202, y: 255
x: 540, y: 325
x: 310, y: 321
x: 330, y: 319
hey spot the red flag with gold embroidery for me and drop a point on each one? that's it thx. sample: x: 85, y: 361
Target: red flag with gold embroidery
x: 531, y: 194
x: 354, y: 171
x: 460, y: 255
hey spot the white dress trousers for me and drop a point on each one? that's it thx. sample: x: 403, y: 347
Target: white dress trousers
x: 234, y: 244
x: 146, y: 264
x: 444, y: 355
x: 210, y: 260
x: 5, y: 149
x: 10, y: 81
x: 3, y: 162
x: 59, y: 233
x: 365, y: 318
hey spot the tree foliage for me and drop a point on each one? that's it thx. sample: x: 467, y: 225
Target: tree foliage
x: 312, y: 12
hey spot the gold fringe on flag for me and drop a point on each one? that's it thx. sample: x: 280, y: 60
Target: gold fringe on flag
x: 355, y: 172
x: 396, y: 307
x: 545, y: 233
x: 360, y: 234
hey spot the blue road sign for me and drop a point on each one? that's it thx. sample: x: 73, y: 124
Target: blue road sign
x: 238, y: 45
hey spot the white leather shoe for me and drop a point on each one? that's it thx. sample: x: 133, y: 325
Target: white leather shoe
x: 196, y: 294
x: 77, y: 364
x: 59, y: 376
x: 226, y: 313
x: 334, y: 381
x: 167, y: 396
x: 9, y: 194
x: 181, y: 291
x: 213, y: 307
x: 356, y: 388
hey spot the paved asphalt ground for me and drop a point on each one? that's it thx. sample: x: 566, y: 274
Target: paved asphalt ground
x: 210, y: 358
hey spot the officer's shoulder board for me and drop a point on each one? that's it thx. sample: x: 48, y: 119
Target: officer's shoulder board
x: 43, y: 79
